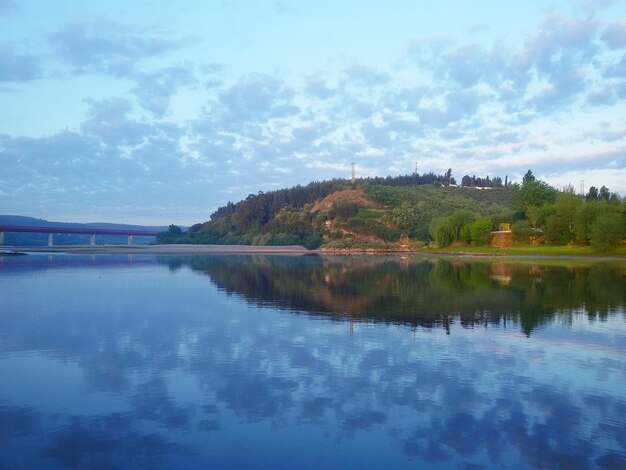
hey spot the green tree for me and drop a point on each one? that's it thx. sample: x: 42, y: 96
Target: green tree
x: 560, y: 226
x: 459, y: 219
x: 446, y: 230
x: 174, y: 234
x: 480, y: 230
x: 528, y: 177
x: 556, y: 230
x: 533, y: 193
x: 312, y: 241
x: 604, y: 193
x: 615, y: 199
x: 588, y: 213
x: 592, y: 195
x: 442, y: 231
x: 537, y: 216
x: 522, y: 230
x: 607, y: 232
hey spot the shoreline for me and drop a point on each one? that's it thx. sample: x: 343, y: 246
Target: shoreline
x: 178, y: 249
x: 157, y: 249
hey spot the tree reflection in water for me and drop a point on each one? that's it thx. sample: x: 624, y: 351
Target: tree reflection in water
x: 238, y: 361
x: 419, y: 291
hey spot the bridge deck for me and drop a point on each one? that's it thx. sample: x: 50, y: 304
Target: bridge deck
x: 77, y: 231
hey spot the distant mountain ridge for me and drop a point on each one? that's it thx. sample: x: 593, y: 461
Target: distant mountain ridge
x: 37, y: 239
x: 32, y: 221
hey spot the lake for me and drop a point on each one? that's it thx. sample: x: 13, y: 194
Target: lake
x: 225, y: 361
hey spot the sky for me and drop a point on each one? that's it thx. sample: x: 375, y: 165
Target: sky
x: 159, y: 112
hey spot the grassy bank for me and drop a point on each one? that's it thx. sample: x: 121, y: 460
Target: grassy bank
x: 531, y: 250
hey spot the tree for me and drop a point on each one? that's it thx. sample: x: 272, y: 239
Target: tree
x: 588, y: 213
x: 522, y: 230
x: 528, y: 177
x: 480, y: 231
x: 458, y: 220
x: 556, y: 230
x: 592, y: 195
x: 604, y: 193
x: 533, y: 193
x: 446, y: 230
x: 538, y: 215
x: 174, y: 230
x: 173, y: 235
x: 560, y: 227
x: 569, y: 189
x: 442, y: 231
x: 607, y: 232
x: 614, y: 199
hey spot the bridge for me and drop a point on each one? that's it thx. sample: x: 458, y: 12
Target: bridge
x: 51, y: 231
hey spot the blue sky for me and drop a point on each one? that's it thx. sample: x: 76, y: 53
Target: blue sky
x: 159, y: 111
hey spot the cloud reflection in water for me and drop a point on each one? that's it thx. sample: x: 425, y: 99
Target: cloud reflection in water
x: 183, y: 368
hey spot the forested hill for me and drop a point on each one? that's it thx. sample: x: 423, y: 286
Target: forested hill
x: 409, y: 211
x: 371, y: 212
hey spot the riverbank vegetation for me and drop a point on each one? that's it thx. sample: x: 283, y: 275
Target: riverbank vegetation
x: 418, y: 212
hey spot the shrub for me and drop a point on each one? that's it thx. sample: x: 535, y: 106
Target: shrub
x: 312, y: 242
x: 364, y: 213
x: 587, y: 214
x: 339, y: 244
x: 459, y: 219
x: 522, y: 230
x: 363, y: 226
x: 466, y: 233
x: 345, y: 209
x: 556, y: 229
x: 387, y: 234
x: 421, y: 233
x: 607, y: 232
x: 446, y: 230
x: 286, y: 239
x: 480, y: 231
x: 336, y: 235
x: 442, y: 231
x: 173, y: 235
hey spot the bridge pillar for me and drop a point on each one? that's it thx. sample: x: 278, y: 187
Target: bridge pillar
x: 50, y: 239
x: 92, y: 239
x: 1, y: 238
x: 130, y: 239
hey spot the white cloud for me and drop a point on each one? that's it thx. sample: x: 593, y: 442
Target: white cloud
x: 476, y: 107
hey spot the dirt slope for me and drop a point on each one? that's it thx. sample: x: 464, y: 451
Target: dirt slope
x: 355, y: 195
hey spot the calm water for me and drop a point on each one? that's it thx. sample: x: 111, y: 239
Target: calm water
x: 306, y: 362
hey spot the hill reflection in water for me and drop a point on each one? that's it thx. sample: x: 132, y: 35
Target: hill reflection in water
x: 238, y: 362
x: 417, y: 291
